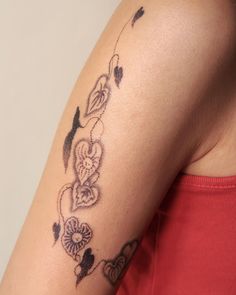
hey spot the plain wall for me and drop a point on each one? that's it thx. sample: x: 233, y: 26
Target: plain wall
x: 44, y: 45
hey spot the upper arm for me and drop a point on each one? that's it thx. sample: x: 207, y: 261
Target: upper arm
x: 129, y: 127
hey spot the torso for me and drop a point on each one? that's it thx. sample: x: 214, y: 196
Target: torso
x: 216, y: 155
x: 218, y: 152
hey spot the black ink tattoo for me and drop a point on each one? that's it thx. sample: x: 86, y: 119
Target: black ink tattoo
x: 118, y: 74
x: 88, y: 158
x: 137, y: 15
x: 115, y: 269
x: 76, y: 236
x: 85, y: 265
x: 70, y: 136
x: 83, y: 192
x: 56, y: 230
x: 99, y: 95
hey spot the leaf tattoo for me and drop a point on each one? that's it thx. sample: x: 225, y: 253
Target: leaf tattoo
x: 85, y: 265
x: 137, y: 15
x: 87, y: 160
x: 70, y: 136
x: 99, y: 95
x: 56, y: 230
x: 118, y: 74
x: 115, y: 269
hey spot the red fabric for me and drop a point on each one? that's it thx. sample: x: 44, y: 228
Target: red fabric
x: 190, y: 246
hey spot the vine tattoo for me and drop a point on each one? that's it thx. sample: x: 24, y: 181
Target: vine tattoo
x: 86, y: 156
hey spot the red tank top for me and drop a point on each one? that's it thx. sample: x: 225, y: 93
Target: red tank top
x: 190, y: 246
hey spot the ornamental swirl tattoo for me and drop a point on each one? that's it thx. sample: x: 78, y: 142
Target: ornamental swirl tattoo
x: 86, y: 156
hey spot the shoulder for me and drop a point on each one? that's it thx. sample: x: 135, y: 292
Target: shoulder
x: 200, y: 24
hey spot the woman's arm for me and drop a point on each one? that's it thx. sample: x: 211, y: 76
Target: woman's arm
x: 134, y: 119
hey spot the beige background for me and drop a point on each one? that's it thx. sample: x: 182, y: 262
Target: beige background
x: 44, y: 45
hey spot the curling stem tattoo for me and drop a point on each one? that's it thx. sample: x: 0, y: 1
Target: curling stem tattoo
x: 86, y: 156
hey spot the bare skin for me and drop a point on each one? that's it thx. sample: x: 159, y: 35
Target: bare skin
x: 218, y: 149
x: 156, y: 97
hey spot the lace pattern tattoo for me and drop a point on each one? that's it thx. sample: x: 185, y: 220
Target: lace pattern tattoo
x: 86, y: 156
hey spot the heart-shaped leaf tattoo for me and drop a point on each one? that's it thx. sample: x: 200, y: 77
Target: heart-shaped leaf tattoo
x: 114, y: 269
x: 87, y: 159
x: 99, y: 95
x: 83, y: 196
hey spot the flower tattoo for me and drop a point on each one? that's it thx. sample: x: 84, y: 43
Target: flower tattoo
x: 76, y: 236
